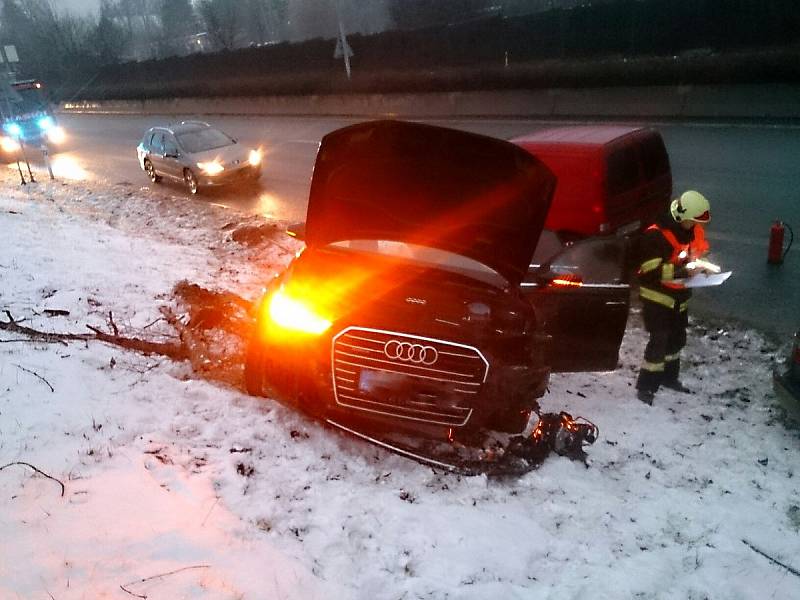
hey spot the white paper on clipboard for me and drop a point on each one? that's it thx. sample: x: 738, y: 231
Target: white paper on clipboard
x: 704, y: 279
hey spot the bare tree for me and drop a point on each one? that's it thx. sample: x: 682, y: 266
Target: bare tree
x: 107, y: 42
x: 277, y: 15
x: 223, y: 21
x: 319, y: 18
x: 177, y: 24
x: 140, y: 21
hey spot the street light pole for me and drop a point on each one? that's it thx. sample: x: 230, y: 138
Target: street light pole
x: 342, y: 47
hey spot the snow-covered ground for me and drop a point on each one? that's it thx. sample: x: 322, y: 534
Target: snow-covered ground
x: 176, y: 487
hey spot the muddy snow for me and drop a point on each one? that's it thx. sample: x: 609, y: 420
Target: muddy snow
x: 180, y: 487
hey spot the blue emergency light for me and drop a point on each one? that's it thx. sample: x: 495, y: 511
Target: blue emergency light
x: 13, y: 128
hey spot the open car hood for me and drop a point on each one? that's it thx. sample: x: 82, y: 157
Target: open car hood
x: 468, y: 194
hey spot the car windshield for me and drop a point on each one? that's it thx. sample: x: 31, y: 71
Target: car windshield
x: 28, y: 100
x: 427, y: 256
x: 200, y: 140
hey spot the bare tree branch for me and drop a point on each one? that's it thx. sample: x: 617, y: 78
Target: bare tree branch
x: 173, y: 351
x: 112, y: 324
x: 127, y: 591
x: 28, y: 340
x: 791, y: 570
x: 138, y: 581
x: 35, y: 374
x: 37, y: 470
x: 15, y: 327
x: 153, y: 322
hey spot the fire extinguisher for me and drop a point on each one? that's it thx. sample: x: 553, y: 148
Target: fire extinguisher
x: 776, y: 253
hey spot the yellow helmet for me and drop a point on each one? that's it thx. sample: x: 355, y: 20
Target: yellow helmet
x: 691, y: 206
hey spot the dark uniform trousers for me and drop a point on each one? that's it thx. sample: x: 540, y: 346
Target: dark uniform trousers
x: 667, y: 329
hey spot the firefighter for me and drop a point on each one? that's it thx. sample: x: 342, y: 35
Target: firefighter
x: 668, y: 249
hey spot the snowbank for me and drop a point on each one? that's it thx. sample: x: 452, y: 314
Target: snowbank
x: 229, y: 496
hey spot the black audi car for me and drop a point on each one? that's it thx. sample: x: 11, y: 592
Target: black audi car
x: 413, y: 307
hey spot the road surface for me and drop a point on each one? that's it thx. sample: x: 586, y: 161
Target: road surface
x: 751, y: 174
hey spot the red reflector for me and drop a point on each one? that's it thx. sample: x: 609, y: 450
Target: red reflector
x: 566, y: 280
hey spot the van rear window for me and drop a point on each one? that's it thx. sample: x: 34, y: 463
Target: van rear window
x: 623, y: 170
x: 654, y: 157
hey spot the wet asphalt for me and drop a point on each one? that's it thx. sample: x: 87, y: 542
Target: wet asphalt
x: 749, y: 172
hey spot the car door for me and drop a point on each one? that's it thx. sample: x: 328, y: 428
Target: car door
x: 581, y: 294
x: 172, y: 164
x: 157, y: 153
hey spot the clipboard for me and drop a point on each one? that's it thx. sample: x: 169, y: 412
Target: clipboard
x: 704, y: 279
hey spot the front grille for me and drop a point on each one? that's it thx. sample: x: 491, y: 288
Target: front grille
x: 237, y: 174
x: 406, y: 376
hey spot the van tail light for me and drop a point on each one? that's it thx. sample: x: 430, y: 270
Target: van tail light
x: 566, y: 280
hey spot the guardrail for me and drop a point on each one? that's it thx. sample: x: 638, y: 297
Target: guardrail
x: 753, y: 102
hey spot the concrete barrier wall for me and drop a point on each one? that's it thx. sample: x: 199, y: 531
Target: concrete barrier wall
x: 767, y: 101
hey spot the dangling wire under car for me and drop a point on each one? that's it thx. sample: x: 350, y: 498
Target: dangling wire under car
x: 553, y: 432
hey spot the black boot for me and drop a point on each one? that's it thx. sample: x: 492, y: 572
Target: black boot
x: 646, y: 396
x: 647, y: 384
x: 677, y: 386
x: 671, y: 377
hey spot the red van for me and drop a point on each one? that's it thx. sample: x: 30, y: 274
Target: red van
x: 611, y: 178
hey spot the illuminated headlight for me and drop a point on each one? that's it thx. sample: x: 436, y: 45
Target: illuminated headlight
x: 213, y: 167
x: 46, y: 123
x: 296, y: 315
x: 255, y: 158
x: 56, y: 135
x: 9, y: 145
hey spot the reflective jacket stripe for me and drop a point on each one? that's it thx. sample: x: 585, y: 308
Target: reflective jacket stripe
x: 694, y: 249
x: 667, y: 272
x: 657, y: 297
x: 699, y: 245
x: 672, y: 357
x: 650, y: 265
x: 653, y: 367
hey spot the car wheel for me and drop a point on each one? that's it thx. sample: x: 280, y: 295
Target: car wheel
x: 191, y: 180
x: 151, y: 171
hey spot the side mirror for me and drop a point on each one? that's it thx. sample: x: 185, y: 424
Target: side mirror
x: 297, y: 231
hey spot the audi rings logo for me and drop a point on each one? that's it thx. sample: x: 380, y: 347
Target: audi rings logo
x: 411, y: 353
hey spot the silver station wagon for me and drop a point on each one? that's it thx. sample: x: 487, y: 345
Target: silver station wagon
x: 197, y: 154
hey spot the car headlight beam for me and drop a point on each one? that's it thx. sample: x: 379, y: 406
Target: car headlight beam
x: 213, y: 167
x: 56, y: 135
x: 9, y: 145
x: 46, y: 123
x: 295, y: 315
x: 255, y: 158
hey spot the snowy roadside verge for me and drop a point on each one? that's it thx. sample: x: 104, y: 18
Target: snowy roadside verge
x: 164, y: 471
